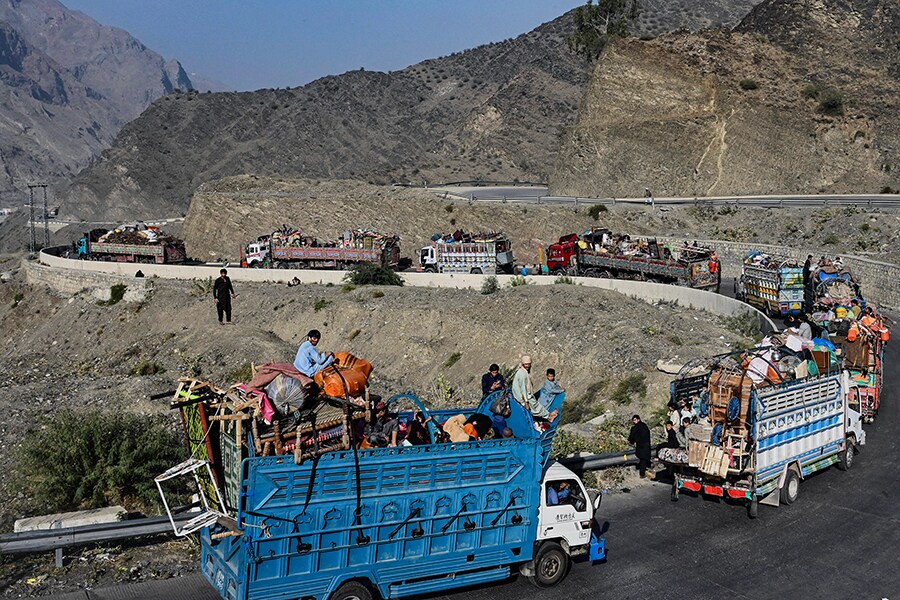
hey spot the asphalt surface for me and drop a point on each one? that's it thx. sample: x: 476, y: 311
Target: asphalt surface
x: 538, y: 195
x: 839, y: 540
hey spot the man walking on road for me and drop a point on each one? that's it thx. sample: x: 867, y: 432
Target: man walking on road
x: 223, y: 292
x: 639, y: 437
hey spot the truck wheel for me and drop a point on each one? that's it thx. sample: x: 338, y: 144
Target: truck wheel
x: 476, y: 271
x: 846, y: 458
x: 550, y: 565
x: 352, y: 590
x: 791, y: 488
x: 429, y: 269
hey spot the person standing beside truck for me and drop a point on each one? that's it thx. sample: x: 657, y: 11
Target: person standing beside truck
x: 639, y: 437
x: 309, y: 360
x: 223, y: 292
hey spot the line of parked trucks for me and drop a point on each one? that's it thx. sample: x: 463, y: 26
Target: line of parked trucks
x: 594, y: 253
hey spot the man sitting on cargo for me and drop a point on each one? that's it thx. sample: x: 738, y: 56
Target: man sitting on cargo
x: 383, y: 429
x: 523, y: 392
x: 309, y: 360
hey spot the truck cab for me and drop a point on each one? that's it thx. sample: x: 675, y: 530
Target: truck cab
x: 427, y: 259
x: 256, y: 253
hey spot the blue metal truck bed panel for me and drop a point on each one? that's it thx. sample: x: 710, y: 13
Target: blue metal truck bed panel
x: 468, y: 509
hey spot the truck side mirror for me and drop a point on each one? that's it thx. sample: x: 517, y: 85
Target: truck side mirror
x: 597, y: 500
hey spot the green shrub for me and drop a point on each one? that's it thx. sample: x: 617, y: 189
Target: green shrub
x: 743, y: 324
x: 595, y: 211
x: 17, y: 299
x: 610, y: 436
x: 490, y: 285
x: 584, y: 407
x: 811, y: 91
x: 452, y: 360
x: 146, y: 367
x: 831, y: 239
x: 347, y: 288
x: 372, y: 274
x: 203, y: 287
x: 448, y: 208
x: 831, y: 102
x: 243, y: 373
x: 320, y: 304
x: 517, y: 281
x: 628, y: 388
x: 116, y: 293
x: 378, y: 294
x: 88, y: 459
x: 748, y: 84
x: 564, y: 280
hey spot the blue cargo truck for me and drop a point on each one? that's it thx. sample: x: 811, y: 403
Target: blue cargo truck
x: 394, y: 522
x: 767, y: 418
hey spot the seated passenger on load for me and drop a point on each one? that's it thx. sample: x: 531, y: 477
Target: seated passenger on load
x: 382, y: 429
x: 523, y: 392
x: 309, y: 360
x: 417, y: 433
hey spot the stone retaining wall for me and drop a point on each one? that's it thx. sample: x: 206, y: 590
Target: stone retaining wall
x: 72, y: 275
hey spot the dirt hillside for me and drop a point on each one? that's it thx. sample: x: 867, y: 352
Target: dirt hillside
x: 236, y: 210
x: 72, y: 352
x: 800, y: 98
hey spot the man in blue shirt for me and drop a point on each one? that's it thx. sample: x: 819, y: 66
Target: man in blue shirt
x: 554, y: 496
x: 309, y: 360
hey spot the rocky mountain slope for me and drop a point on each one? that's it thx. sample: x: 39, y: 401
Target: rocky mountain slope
x: 50, y: 123
x: 68, y: 85
x: 493, y: 112
x: 801, y: 97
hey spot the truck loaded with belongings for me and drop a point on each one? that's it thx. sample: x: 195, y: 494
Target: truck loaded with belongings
x: 295, y: 503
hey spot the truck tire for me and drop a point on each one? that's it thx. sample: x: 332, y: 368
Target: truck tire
x: 550, y: 565
x: 845, y: 461
x: 429, y: 269
x: 476, y: 271
x: 791, y: 488
x: 352, y: 590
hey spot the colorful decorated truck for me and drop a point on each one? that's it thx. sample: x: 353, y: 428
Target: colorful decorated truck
x: 772, y: 284
x: 306, y: 513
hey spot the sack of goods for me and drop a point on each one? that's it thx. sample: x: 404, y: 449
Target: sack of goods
x: 346, y: 378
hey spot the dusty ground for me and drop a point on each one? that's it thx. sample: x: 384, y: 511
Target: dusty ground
x: 69, y: 352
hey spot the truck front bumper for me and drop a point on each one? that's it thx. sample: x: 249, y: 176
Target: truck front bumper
x: 597, y: 547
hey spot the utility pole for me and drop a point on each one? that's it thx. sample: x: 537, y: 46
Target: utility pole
x: 31, y: 188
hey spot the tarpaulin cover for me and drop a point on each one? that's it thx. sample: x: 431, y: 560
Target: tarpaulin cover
x: 287, y: 390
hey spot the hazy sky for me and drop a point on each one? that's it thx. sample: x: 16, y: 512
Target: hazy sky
x: 250, y: 44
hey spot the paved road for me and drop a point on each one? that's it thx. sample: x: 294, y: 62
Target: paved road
x: 839, y: 540
x: 538, y: 195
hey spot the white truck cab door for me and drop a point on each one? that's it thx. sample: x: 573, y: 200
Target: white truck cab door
x: 570, y: 519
